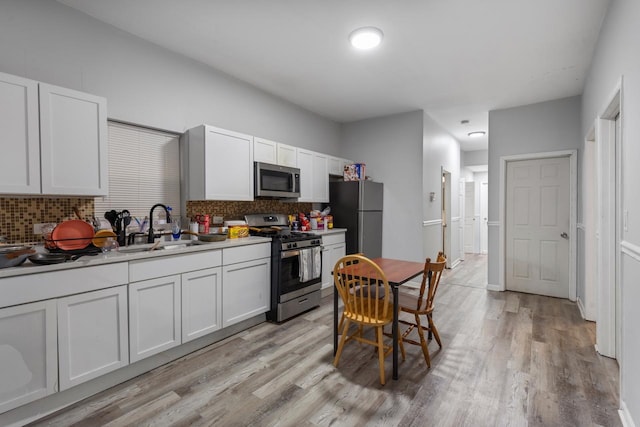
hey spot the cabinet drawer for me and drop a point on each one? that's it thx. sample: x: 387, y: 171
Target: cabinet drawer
x: 35, y: 287
x: 174, y: 264
x: 332, y: 239
x: 246, y: 253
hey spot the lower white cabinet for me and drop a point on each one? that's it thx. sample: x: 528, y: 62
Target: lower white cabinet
x: 28, y: 352
x: 246, y: 290
x: 201, y: 303
x: 93, y: 335
x: 333, y: 248
x: 154, y: 316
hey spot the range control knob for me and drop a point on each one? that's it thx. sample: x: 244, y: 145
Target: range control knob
x: 295, y: 245
x: 288, y: 245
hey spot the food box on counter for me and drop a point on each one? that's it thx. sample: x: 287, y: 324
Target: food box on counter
x: 354, y: 172
x: 237, y: 229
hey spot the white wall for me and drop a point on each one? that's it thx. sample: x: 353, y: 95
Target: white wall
x: 537, y: 128
x: 143, y: 83
x: 391, y: 147
x: 440, y: 150
x: 617, y: 55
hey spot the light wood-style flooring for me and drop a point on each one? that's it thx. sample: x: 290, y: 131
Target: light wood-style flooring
x: 509, y: 359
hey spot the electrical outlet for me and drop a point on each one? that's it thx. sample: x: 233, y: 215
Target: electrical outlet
x: 37, y: 228
x: 218, y: 220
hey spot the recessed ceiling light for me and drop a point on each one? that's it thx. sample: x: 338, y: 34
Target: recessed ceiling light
x: 476, y: 134
x: 365, y: 37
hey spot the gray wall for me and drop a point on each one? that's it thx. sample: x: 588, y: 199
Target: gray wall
x: 617, y: 55
x: 391, y: 147
x: 143, y: 83
x: 476, y: 158
x: 537, y: 128
x: 440, y: 150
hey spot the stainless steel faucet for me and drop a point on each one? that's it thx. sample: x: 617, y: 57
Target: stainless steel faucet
x: 152, y: 237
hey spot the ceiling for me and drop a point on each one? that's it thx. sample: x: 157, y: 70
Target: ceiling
x: 454, y: 59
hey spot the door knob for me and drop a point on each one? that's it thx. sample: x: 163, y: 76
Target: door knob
x: 564, y: 235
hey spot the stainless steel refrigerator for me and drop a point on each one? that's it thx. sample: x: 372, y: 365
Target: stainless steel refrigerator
x: 357, y: 206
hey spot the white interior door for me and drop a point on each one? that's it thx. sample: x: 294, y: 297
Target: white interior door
x: 537, y: 226
x: 469, y: 216
x: 484, y: 217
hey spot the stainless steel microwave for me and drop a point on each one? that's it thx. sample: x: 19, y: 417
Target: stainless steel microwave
x: 274, y: 181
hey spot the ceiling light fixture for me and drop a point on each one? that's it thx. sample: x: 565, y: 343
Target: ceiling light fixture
x: 476, y: 134
x: 365, y: 37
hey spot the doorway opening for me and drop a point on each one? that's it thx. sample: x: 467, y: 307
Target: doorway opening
x: 446, y: 215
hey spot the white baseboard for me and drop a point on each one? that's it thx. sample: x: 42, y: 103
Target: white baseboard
x: 455, y: 263
x: 625, y: 416
x: 496, y: 288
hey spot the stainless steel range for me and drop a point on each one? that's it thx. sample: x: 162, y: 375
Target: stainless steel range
x: 296, y: 266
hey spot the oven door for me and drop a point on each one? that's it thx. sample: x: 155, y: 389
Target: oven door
x: 299, y: 270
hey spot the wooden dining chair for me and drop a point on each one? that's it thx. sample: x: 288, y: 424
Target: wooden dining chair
x: 366, y: 295
x: 422, y: 305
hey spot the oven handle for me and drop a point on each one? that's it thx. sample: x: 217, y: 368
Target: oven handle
x: 290, y: 254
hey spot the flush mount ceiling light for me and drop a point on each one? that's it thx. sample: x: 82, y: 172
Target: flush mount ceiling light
x: 365, y: 37
x: 476, y: 134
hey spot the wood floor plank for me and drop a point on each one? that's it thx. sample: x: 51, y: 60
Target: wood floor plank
x: 508, y: 359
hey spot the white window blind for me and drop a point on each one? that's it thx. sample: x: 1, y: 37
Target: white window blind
x: 144, y: 169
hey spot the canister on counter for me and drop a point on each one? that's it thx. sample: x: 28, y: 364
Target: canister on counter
x: 329, y: 220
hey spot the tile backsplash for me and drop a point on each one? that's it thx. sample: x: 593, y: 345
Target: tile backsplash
x: 18, y: 215
x: 237, y: 210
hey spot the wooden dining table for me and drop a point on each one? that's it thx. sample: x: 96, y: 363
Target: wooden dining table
x: 397, y: 272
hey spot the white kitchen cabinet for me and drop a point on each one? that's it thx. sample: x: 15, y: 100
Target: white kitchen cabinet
x: 287, y: 155
x: 333, y: 248
x: 20, y: 142
x: 154, y: 316
x: 54, y: 140
x: 246, y: 288
x: 314, y: 176
x: 275, y: 153
x: 217, y: 164
x: 305, y: 163
x: 201, y: 303
x: 93, y: 336
x: 336, y: 166
x: 264, y: 150
x: 320, y: 178
x: 28, y: 351
x: 73, y: 142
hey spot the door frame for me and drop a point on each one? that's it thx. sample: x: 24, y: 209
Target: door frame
x: 446, y: 207
x: 608, y: 226
x: 573, y: 212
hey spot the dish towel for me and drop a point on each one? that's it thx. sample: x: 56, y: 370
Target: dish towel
x: 316, y: 254
x: 306, y: 268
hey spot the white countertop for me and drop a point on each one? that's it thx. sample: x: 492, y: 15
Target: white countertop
x: 123, y: 256
x: 328, y: 231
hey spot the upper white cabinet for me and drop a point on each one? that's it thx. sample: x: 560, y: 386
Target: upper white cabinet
x: 287, y: 155
x: 73, y: 142
x: 337, y: 164
x: 93, y: 335
x: 217, y: 164
x: 314, y: 176
x: 275, y: 153
x: 28, y: 351
x: 265, y: 151
x: 54, y: 142
x: 20, y: 164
